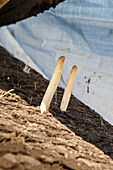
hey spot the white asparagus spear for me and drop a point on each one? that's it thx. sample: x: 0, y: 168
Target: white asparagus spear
x: 68, y: 89
x: 52, y: 86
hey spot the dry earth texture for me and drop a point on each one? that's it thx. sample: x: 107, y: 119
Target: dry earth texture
x: 16, y: 10
x: 78, y: 139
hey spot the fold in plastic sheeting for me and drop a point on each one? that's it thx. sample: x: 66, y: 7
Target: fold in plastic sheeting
x: 11, y: 45
x: 82, y: 31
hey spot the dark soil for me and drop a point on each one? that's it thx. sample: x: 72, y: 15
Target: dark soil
x: 16, y: 10
x: 78, y: 139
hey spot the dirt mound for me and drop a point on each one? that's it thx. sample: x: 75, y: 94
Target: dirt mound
x: 55, y: 140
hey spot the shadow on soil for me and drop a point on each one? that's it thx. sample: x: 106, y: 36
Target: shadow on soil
x: 79, y: 118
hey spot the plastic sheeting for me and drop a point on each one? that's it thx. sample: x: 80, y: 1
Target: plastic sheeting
x: 82, y: 31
